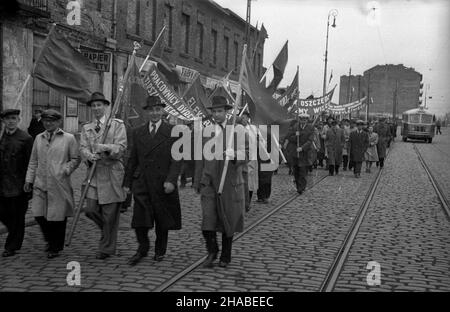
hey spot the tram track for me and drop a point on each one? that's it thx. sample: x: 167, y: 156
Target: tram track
x: 174, y: 279
x: 442, y: 198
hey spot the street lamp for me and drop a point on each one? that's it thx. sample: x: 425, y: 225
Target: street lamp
x: 333, y: 13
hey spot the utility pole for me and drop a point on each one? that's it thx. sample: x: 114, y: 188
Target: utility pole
x: 394, y: 101
x: 247, y: 25
x: 349, y: 96
x: 368, y: 97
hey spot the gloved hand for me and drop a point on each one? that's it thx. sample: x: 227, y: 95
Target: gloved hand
x: 229, y: 153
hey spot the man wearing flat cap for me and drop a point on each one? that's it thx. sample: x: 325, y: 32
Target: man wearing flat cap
x: 15, y: 150
x: 357, y: 146
x: 155, y: 191
x: 105, y: 193
x: 223, y: 214
x: 299, y: 153
x: 54, y: 158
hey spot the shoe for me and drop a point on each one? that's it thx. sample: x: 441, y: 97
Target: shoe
x: 158, y: 258
x: 53, y: 254
x: 136, y: 258
x: 265, y: 201
x: 8, y: 253
x: 223, y: 264
x: 208, y: 263
x: 299, y: 192
x: 102, y: 256
x: 259, y: 200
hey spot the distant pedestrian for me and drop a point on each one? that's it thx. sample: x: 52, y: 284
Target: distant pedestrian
x: 438, y: 127
x: 54, y: 158
x: 334, y: 143
x: 371, y: 154
x: 15, y: 151
x: 384, y: 135
x: 358, y: 143
x: 36, y: 125
x: 346, y: 128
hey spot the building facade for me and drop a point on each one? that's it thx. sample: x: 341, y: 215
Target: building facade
x: 201, y: 37
x: 392, y: 89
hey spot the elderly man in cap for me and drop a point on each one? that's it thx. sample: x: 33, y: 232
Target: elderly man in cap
x: 105, y: 193
x: 357, y: 146
x: 156, y: 199
x: 223, y: 214
x: 54, y: 157
x: 300, y: 142
x: 15, y: 150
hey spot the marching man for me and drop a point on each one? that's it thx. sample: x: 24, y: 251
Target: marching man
x: 224, y: 214
x: 105, y: 193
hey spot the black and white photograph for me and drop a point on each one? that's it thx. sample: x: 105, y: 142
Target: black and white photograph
x: 224, y: 152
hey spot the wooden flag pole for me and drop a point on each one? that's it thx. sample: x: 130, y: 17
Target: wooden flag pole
x: 236, y: 103
x: 152, y: 48
x: 105, y: 133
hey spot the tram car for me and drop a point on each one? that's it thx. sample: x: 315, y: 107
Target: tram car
x: 418, y: 124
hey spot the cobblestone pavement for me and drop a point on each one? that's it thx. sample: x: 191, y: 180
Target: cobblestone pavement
x: 30, y: 270
x: 405, y: 229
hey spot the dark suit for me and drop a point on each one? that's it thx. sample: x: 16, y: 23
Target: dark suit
x: 302, y: 159
x: 15, y: 151
x: 358, y: 144
x: 152, y: 206
x: 36, y: 127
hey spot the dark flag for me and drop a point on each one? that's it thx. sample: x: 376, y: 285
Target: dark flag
x: 63, y: 68
x: 288, y: 98
x: 195, y: 97
x: 278, y: 67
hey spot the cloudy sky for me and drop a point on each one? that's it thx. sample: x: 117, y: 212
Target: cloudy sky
x: 410, y: 32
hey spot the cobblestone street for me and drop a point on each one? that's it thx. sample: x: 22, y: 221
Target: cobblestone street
x: 405, y: 230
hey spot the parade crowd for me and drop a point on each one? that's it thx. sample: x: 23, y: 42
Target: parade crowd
x: 137, y: 163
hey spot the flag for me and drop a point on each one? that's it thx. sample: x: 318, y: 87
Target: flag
x: 196, y: 99
x: 63, y: 68
x: 263, y: 108
x: 277, y: 68
x: 288, y: 98
x: 132, y: 113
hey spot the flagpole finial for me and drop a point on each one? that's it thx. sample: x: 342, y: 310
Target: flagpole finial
x: 137, y: 45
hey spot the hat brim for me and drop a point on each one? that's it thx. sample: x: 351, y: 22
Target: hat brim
x: 89, y: 103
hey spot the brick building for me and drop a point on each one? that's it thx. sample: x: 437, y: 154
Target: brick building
x: 383, y: 81
x: 202, y: 37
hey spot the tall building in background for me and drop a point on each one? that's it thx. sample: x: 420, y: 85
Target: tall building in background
x: 351, y: 88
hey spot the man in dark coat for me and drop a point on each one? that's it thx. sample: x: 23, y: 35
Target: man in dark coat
x: 300, y: 152
x: 36, y: 125
x: 264, y: 176
x: 223, y: 214
x: 358, y: 144
x: 156, y: 199
x: 384, y: 135
x: 15, y: 151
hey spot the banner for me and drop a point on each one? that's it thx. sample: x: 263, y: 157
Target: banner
x: 155, y: 84
x: 313, y: 106
x: 291, y: 93
x: 197, y: 100
x: 347, y: 108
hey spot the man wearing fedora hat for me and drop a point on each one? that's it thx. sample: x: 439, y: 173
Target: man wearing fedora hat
x: 105, y: 193
x: 299, y: 153
x: 357, y: 146
x: 15, y: 151
x: 156, y: 198
x: 54, y: 158
x: 223, y: 214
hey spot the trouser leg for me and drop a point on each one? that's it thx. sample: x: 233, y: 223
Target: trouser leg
x: 211, y: 242
x: 110, y: 214
x: 143, y: 240
x: 250, y: 195
x: 381, y: 162
x: 227, y: 243
x: 336, y: 169
x: 345, y: 161
x: 44, y: 228
x: 331, y: 169
x: 13, y: 215
x: 296, y: 175
x: 56, y: 232
x: 93, y: 212
x: 357, y: 168
x: 161, y: 240
x: 301, y: 182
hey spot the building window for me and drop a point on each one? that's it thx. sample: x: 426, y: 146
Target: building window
x: 226, y: 45
x: 199, y: 52
x: 185, y: 27
x: 236, y: 56
x: 214, y: 46
x: 168, y: 22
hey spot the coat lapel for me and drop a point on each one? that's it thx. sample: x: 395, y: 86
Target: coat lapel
x: 161, y: 135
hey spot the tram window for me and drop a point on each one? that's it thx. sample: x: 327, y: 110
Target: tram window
x: 414, y: 118
x: 427, y: 119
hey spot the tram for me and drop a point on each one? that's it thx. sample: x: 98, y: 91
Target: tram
x: 418, y: 124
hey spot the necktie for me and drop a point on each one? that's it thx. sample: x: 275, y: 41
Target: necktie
x: 50, y: 137
x: 153, y: 131
x: 97, y: 127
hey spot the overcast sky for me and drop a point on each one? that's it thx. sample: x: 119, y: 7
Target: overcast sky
x: 410, y: 32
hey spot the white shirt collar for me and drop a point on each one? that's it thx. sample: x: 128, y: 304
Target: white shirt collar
x: 156, y: 124
x: 102, y: 120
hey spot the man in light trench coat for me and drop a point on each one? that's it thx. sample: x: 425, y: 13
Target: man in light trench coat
x: 53, y: 159
x: 105, y: 193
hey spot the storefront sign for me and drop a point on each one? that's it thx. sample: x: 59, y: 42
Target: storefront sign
x: 100, y: 60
